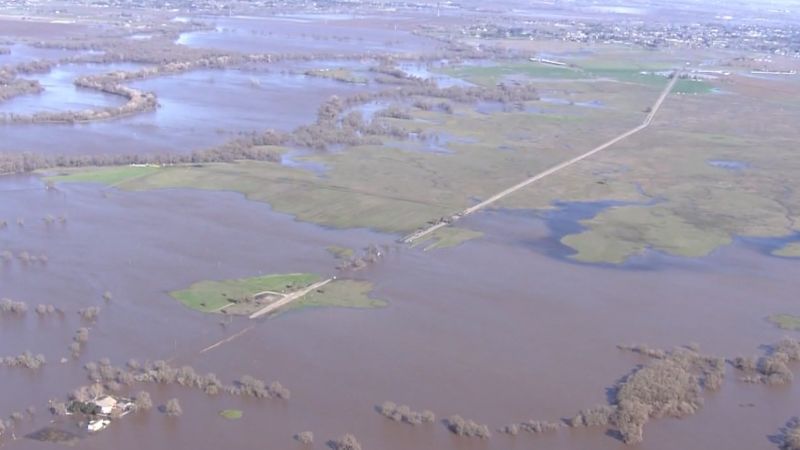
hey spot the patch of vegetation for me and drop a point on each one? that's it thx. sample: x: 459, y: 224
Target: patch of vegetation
x: 448, y: 237
x: 340, y: 74
x: 211, y: 296
x: 340, y: 252
x: 490, y: 75
x: 231, y: 414
x: 789, y: 251
x: 785, y: 321
x: 106, y: 175
x: 618, y: 233
x: 339, y: 294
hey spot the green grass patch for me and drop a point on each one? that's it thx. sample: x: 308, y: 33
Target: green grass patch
x: 340, y: 252
x: 210, y: 296
x: 231, y: 414
x: 340, y: 74
x: 692, y: 87
x: 339, y: 294
x: 785, y: 321
x: 616, y: 234
x: 789, y: 251
x: 105, y: 175
x: 491, y: 75
x: 448, y: 237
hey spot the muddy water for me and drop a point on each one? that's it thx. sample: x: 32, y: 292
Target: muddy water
x: 198, y: 110
x: 309, y: 35
x: 494, y: 330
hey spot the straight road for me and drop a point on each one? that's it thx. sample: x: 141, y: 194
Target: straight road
x: 288, y: 298
x: 419, y: 234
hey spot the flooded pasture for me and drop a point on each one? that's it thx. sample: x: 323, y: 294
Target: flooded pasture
x: 310, y: 34
x: 493, y: 330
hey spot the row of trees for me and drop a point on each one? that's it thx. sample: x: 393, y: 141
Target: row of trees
x: 404, y: 414
x: 161, y: 372
x: 531, y: 426
x: 26, y: 360
x: 773, y: 367
x: 468, y: 428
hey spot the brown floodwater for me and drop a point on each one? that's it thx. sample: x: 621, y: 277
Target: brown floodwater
x: 498, y: 330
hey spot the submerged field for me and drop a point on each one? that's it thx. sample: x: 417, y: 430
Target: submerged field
x: 540, y: 313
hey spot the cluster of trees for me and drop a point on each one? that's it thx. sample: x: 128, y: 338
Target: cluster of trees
x: 790, y: 435
x: 468, y: 428
x: 89, y: 314
x: 598, y: 416
x: 243, y: 148
x: 669, y: 387
x: 10, y: 88
x: 78, y: 341
x: 26, y: 258
x: 372, y: 254
x: 531, y: 426
x: 772, y: 368
x: 161, y: 372
x: 8, y: 306
x: 404, y: 414
x: 304, y: 437
x: 346, y: 442
x: 172, y: 408
x: 44, y: 310
x: 26, y: 360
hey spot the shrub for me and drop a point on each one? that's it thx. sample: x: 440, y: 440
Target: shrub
x: 173, y: 408
x: 346, y: 442
x: 462, y: 427
x: 304, y: 437
x: 404, y: 414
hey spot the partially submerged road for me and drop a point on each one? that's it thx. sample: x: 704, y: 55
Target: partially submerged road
x: 288, y: 298
x: 419, y: 234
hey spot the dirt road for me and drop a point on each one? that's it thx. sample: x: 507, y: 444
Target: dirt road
x: 289, y: 298
x: 419, y: 234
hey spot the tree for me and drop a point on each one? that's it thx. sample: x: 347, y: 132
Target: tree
x: 304, y: 437
x: 173, y: 408
x: 346, y: 442
x: 142, y: 401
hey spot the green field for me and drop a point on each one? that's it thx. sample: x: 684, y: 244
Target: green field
x: 447, y: 237
x: 398, y: 190
x: 106, y: 175
x: 231, y: 414
x: 786, y: 321
x: 491, y: 75
x: 339, y: 294
x: 789, y: 251
x: 210, y: 296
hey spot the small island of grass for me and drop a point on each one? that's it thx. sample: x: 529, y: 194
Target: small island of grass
x: 231, y: 414
x: 246, y: 296
x: 789, y: 251
x: 785, y: 321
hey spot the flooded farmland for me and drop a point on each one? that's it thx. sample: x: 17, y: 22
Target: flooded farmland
x: 493, y: 358
x: 310, y: 34
x: 538, y: 218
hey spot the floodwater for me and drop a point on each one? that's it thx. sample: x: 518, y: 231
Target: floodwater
x: 61, y: 94
x: 341, y: 36
x: 197, y: 110
x: 493, y: 330
x: 20, y: 53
